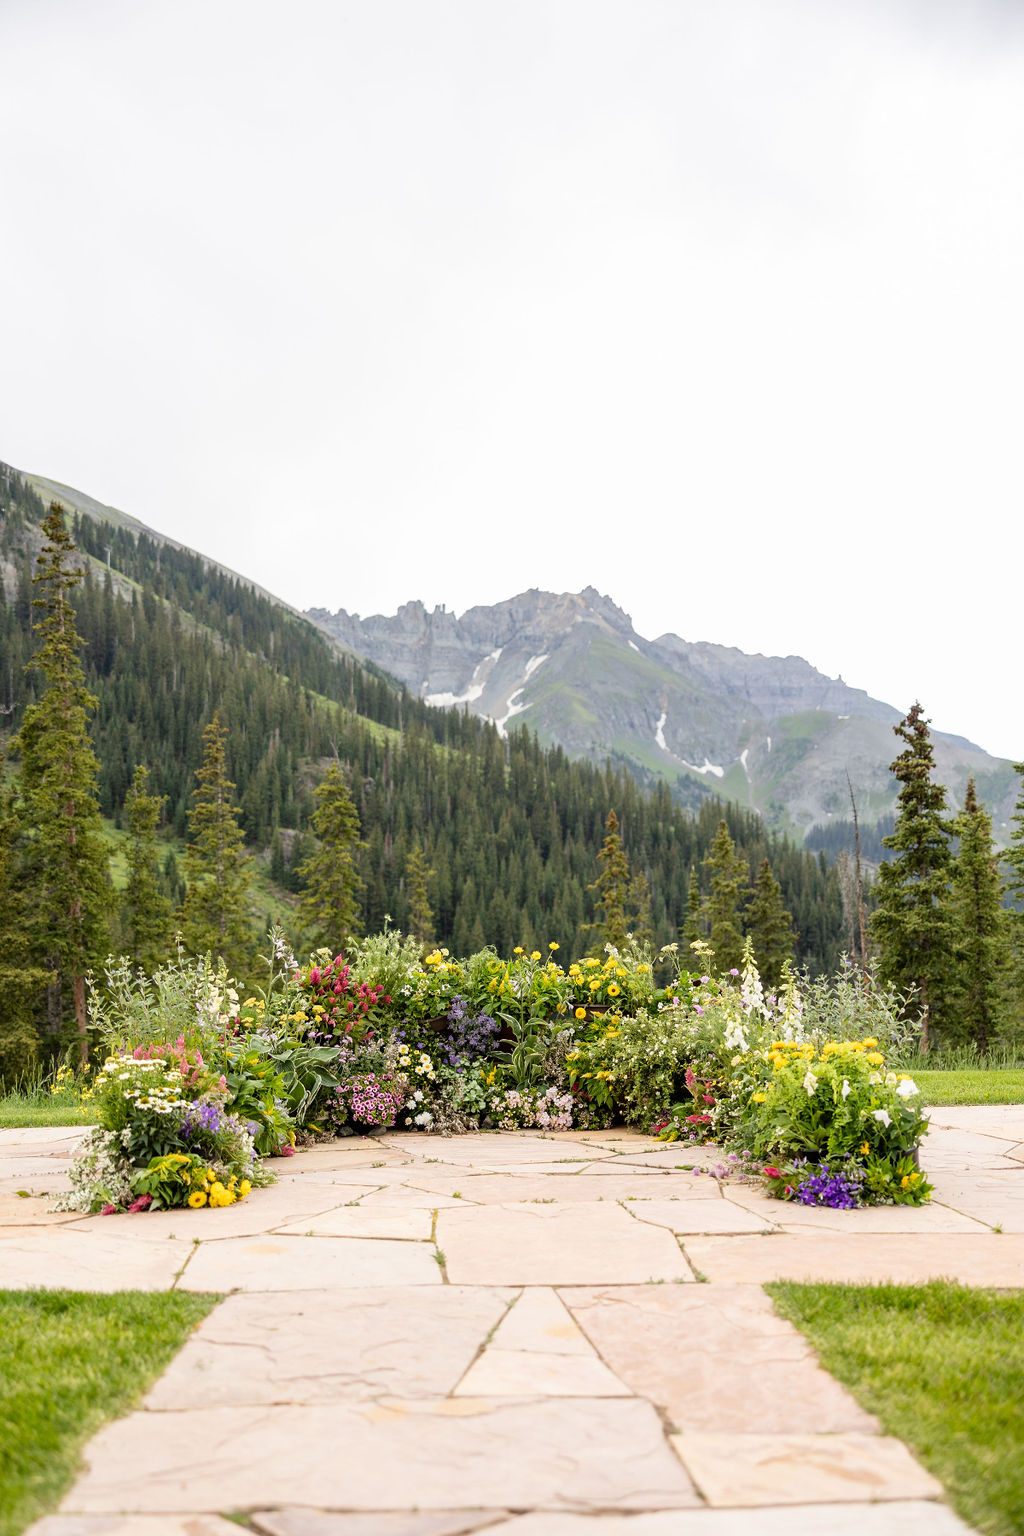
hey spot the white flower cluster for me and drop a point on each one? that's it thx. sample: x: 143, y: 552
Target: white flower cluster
x: 148, y: 1084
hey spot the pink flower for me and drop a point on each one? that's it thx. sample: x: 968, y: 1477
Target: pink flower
x: 109, y: 1210
x: 141, y: 1204
x: 285, y: 1150
x: 772, y: 1173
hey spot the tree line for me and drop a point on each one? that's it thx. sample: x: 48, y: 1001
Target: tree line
x: 497, y: 839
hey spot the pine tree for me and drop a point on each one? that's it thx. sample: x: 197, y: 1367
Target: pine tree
x: 728, y: 878
x: 1013, y: 858
x: 214, y: 914
x: 145, y: 906
x: 329, y: 904
x: 421, y: 918
x: 911, y: 923
x: 21, y: 982
x: 769, y: 927
x: 981, y: 928
x: 612, y: 888
x: 67, y: 858
x: 691, y: 933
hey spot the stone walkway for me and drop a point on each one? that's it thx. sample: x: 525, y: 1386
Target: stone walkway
x: 426, y: 1337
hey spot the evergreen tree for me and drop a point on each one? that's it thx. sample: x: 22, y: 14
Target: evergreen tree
x: 911, y: 923
x: 1014, y: 860
x: 728, y: 878
x: 421, y: 918
x: 66, y: 854
x: 329, y: 904
x: 21, y: 982
x: 145, y: 906
x: 769, y: 927
x: 691, y: 933
x: 214, y: 914
x: 612, y: 888
x: 981, y: 926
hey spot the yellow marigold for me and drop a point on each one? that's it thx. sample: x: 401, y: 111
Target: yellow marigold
x: 581, y: 1013
x: 554, y: 946
x: 244, y: 1188
x: 758, y: 1098
x: 595, y: 984
x: 518, y: 950
x: 613, y: 990
x: 875, y: 1058
x: 870, y: 1040
x: 197, y: 1198
x: 535, y: 955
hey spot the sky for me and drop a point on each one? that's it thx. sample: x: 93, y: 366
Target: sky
x: 714, y: 305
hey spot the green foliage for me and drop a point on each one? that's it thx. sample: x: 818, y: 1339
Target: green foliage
x: 214, y: 917
x: 417, y: 876
x: 69, y: 1363
x: 980, y: 927
x: 65, y: 857
x: 329, y: 905
x: 145, y: 906
x: 912, y: 922
x: 21, y: 981
x: 769, y: 927
x: 612, y: 887
x: 727, y: 876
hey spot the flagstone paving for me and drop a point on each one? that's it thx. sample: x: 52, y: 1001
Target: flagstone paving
x: 508, y: 1333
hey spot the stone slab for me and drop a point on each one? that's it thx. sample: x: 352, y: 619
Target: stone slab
x: 490, y: 1149
x: 983, y: 1258
x: 754, y: 1470
x: 790, y: 1215
x: 64, y: 1256
x: 399, y: 1195
x: 41, y: 1135
x: 911, y: 1517
x: 275, y: 1263
x: 406, y: 1522
x: 540, y: 1322
x: 568, y: 1453
x: 32, y: 1211
x: 558, y: 1244
x: 525, y: 1373
x: 696, y: 1216
x: 133, y: 1525
x: 521, y: 1186
x: 263, y: 1210
x: 716, y: 1358
x: 330, y: 1346
x: 401, y: 1222
x: 995, y: 1198
x: 1004, y: 1120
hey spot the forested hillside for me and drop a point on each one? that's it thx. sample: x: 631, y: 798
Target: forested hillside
x: 510, y: 831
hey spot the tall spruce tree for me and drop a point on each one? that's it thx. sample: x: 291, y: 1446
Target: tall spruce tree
x: 769, y: 927
x: 911, y: 923
x: 215, y: 909
x: 421, y: 917
x: 728, y: 878
x: 612, y: 888
x: 1014, y: 861
x: 981, y: 925
x: 329, y: 904
x: 66, y: 855
x: 145, y: 905
x: 690, y: 933
x: 21, y: 981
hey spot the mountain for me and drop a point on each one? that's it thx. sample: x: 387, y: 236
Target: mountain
x: 509, y: 830
x: 770, y: 733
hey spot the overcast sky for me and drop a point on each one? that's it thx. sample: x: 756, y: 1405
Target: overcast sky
x: 716, y: 305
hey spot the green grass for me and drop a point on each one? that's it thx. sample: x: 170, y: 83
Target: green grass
x: 69, y: 1362
x: 976, y: 1085
x: 942, y: 1366
x: 16, y: 1111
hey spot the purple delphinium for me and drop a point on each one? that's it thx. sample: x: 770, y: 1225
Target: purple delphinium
x: 841, y: 1191
x: 469, y: 1039
x: 202, y: 1117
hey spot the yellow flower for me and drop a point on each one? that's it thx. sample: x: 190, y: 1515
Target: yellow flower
x: 864, y: 1149
x: 518, y: 950
x: 613, y: 990
x: 553, y: 946
x: 595, y: 984
x: 870, y: 1040
x: 758, y: 1098
x: 581, y: 1013
x: 875, y: 1058
x: 535, y: 955
x: 244, y: 1188
x: 197, y: 1198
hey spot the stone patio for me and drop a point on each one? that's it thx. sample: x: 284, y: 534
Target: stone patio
x: 531, y: 1335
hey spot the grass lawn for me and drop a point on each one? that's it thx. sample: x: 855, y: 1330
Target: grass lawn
x: 973, y: 1086
x: 942, y: 1366
x: 69, y: 1361
x: 17, y: 1110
